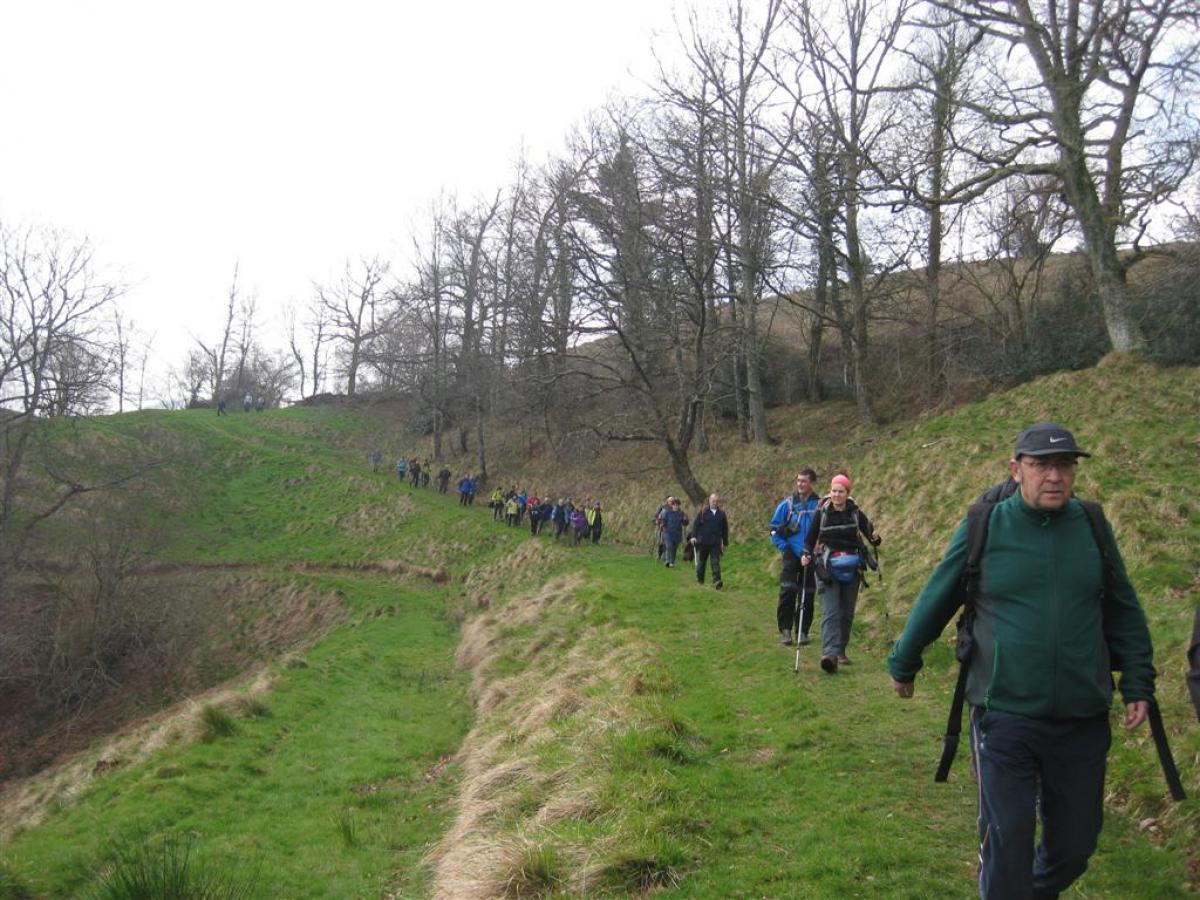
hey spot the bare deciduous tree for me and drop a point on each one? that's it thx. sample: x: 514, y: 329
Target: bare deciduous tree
x: 1093, y: 93
x: 353, y: 314
x: 52, y: 362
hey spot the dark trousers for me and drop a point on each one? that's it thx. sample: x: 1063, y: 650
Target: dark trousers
x: 705, y: 553
x: 1026, y: 766
x: 796, y: 582
x: 596, y: 529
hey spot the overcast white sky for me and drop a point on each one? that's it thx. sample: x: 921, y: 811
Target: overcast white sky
x: 182, y: 137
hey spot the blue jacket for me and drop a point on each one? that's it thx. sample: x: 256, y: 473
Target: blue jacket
x: 799, y: 520
x: 673, y: 523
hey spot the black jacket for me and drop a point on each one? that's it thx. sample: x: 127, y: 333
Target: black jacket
x: 838, y: 530
x: 711, y: 527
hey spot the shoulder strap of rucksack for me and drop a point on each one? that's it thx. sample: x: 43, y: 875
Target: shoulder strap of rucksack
x: 1098, y: 524
x: 978, y: 516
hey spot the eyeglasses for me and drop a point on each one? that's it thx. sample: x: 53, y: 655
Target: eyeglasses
x: 1042, y: 466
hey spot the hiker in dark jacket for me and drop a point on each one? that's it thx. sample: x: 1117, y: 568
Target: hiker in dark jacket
x: 674, y: 521
x: 835, y: 537
x: 560, y: 515
x: 595, y: 519
x: 710, y: 535
x: 443, y: 479
x: 1047, y: 625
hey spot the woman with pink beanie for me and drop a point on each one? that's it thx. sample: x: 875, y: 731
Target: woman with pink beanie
x: 835, y: 545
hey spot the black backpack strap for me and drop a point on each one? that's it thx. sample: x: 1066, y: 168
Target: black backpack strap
x: 1098, y: 523
x: 977, y: 526
x: 1170, y: 772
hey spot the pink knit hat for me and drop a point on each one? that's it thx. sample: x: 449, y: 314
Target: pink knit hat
x: 843, y: 480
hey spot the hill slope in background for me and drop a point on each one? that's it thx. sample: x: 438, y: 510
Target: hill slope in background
x: 490, y: 714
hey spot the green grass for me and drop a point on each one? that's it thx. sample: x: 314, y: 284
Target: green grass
x: 631, y: 732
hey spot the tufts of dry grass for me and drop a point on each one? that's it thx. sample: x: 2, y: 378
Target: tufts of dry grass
x: 533, y: 764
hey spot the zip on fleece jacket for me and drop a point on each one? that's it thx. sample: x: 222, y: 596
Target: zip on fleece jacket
x: 1047, y: 636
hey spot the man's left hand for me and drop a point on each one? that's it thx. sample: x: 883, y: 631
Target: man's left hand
x: 1136, y: 713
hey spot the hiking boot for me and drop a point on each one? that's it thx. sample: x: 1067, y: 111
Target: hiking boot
x: 803, y: 640
x: 718, y: 585
x: 829, y: 664
x: 785, y: 637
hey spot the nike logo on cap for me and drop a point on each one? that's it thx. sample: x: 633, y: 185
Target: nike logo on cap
x: 1056, y: 440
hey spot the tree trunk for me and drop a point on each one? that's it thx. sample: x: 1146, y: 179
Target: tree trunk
x: 479, y: 409
x: 1124, y: 332
x: 684, y: 474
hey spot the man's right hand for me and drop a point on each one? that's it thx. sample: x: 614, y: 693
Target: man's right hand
x: 903, y: 688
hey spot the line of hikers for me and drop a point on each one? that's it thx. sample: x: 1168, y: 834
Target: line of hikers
x: 1048, y: 581
x: 581, y: 522
x: 824, y: 545
x: 706, y: 540
x: 415, y: 472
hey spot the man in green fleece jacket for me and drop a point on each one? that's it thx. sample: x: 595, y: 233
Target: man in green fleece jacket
x: 1047, y: 637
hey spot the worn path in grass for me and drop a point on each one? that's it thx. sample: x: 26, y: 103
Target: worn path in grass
x: 337, y: 781
x: 703, y: 767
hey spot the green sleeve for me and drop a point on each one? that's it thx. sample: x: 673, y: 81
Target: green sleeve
x: 935, y: 607
x: 1126, y: 632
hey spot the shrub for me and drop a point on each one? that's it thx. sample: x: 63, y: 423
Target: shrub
x: 166, y: 870
x: 216, y: 723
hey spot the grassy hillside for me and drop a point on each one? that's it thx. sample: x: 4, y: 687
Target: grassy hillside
x: 497, y: 715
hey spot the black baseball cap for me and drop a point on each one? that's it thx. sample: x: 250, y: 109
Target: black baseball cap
x: 1046, y: 439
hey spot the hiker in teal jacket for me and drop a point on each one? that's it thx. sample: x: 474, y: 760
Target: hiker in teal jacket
x: 1047, y: 636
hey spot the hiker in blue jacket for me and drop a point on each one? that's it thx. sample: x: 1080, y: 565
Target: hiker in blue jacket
x: 674, y: 521
x: 789, y: 527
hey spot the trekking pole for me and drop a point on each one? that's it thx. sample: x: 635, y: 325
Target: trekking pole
x: 800, y: 618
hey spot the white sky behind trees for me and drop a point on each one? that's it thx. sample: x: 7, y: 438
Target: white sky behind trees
x: 285, y: 136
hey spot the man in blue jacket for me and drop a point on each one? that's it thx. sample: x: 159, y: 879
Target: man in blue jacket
x: 789, y: 527
x: 1048, y: 628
